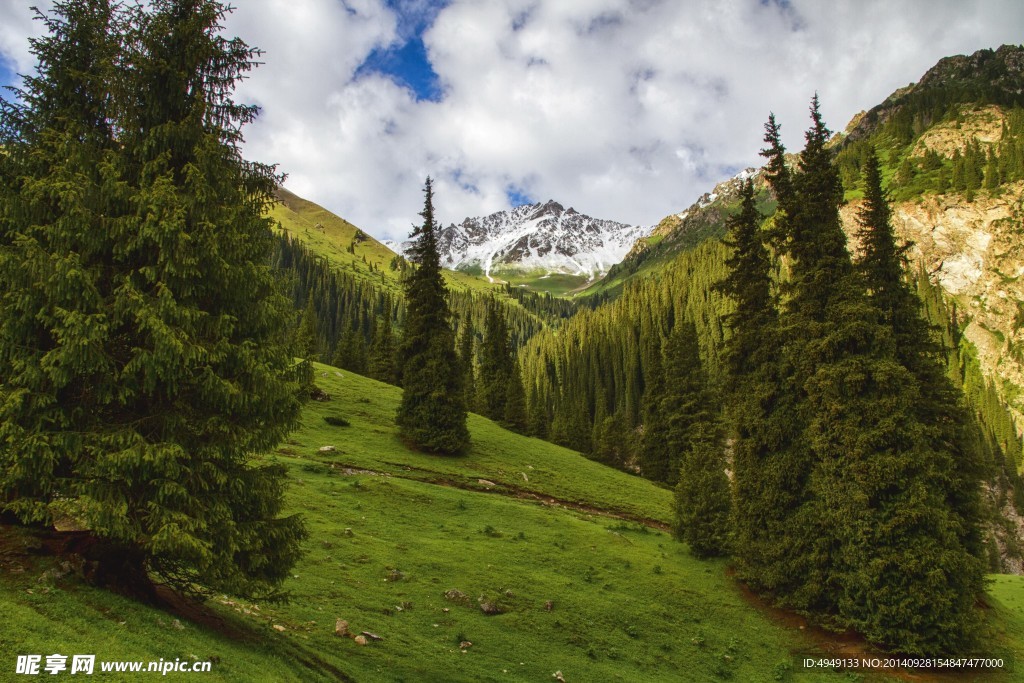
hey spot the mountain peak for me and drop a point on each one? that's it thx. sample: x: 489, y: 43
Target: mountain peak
x: 543, y: 236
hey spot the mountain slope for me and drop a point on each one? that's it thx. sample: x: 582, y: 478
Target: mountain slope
x: 545, y: 535
x: 350, y: 248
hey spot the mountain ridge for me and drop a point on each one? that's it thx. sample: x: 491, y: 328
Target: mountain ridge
x: 543, y: 236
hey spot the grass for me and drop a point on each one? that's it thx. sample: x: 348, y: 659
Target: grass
x: 547, y: 536
x: 351, y: 248
x: 556, y: 284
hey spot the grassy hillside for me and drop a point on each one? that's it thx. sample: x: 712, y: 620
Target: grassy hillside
x: 350, y: 248
x: 517, y: 523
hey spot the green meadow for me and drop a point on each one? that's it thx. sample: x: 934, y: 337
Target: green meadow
x: 518, y: 561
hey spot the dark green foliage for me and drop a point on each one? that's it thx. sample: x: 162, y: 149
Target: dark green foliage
x: 382, y: 354
x: 336, y: 421
x: 500, y: 388
x: 678, y: 403
x: 306, y: 341
x: 875, y: 513
x: 466, y: 342
x: 702, y: 500
x: 432, y: 415
x: 144, y: 347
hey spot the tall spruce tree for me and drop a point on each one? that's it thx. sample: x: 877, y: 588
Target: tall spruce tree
x: 432, y: 414
x: 466, y: 339
x: 869, y: 534
x: 702, y: 501
x: 144, y: 346
x: 502, y: 397
x: 759, y: 412
x: 695, y: 448
x: 940, y: 491
x: 382, y: 348
x: 495, y: 354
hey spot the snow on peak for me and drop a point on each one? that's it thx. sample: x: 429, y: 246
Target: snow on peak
x: 542, y: 236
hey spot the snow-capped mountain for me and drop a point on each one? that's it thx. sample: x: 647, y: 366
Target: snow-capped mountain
x: 536, y: 237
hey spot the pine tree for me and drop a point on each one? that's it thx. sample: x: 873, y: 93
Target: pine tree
x: 381, y: 358
x: 495, y: 366
x: 155, y: 359
x: 928, y: 519
x: 537, y: 421
x: 432, y: 415
x: 307, y: 333
x: 514, y: 417
x: 702, y: 502
x: 757, y: 409
x: 686, y: 398
x: 466, y: 338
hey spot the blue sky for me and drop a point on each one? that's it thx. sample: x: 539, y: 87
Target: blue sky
x: 405, y: 60
x: 625, y: 109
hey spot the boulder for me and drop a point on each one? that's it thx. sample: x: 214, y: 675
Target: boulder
x: 489, y: 608
x: 341, y: 628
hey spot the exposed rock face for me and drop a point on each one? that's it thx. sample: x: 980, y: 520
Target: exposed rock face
x: 976, y: 252
x: 536, y: 237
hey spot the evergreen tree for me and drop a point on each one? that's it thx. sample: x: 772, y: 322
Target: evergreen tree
x: 685, y: 398
x: 502, y: 397
x: 307, y: 333
x: 153, y: 356
x: 939, y: 488
x: 702, y: 502
x: 381, y: 360
x: 514, y: 417
x: 759, y: 413
x: 537, y: 421
x: 466, y: 337
x: 495, y: 364
x: 432, y: 415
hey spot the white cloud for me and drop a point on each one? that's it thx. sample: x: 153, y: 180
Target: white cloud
x: 625, y: 109
x: 16, y: 26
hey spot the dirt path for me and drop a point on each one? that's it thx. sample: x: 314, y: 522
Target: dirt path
x: 479, y: 485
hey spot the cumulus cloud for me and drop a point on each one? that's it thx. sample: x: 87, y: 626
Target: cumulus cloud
x: 624, y: 109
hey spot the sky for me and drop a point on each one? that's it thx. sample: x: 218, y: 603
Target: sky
x: 623, y: 109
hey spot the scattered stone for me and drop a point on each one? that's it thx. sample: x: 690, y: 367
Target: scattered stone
x: 327, y: 449
x: 558, y: 676
x: 278, y: 627
x: 371, y: 636
x: 395, y: 575
x: 465, y: 644
x: 489, y: 608
x: 549, y: 605
x: 509, y: 594
x: 525, y: 478
x: 361, y: 640
x: 318, y: 394
x: 348, y: 533
x: 178, y: 625
x: 484, y: 482
x: 341, y: 628
x: 455, y: 595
